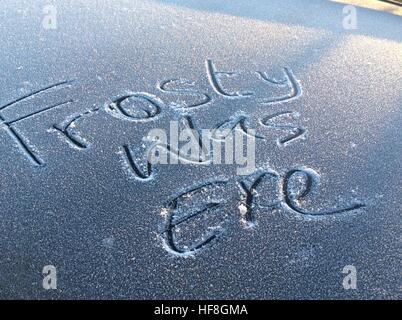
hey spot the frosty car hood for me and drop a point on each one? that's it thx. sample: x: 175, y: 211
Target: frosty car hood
x: 75, y: 193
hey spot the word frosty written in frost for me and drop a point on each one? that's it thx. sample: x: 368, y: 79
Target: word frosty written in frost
x: 140, y: 107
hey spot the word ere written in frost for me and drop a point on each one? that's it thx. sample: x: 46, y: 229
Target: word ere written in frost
x: 141, y: 107
x: 197, y: 216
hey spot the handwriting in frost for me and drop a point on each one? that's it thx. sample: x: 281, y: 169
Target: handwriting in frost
x: 184, y: 88
x: 142, y: 106
x: 10, y: 124
x: 207, y: 144
x: 67, y: 128
x: 200, y: 214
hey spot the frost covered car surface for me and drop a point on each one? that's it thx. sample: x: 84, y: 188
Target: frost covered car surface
x: 83, y: 83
